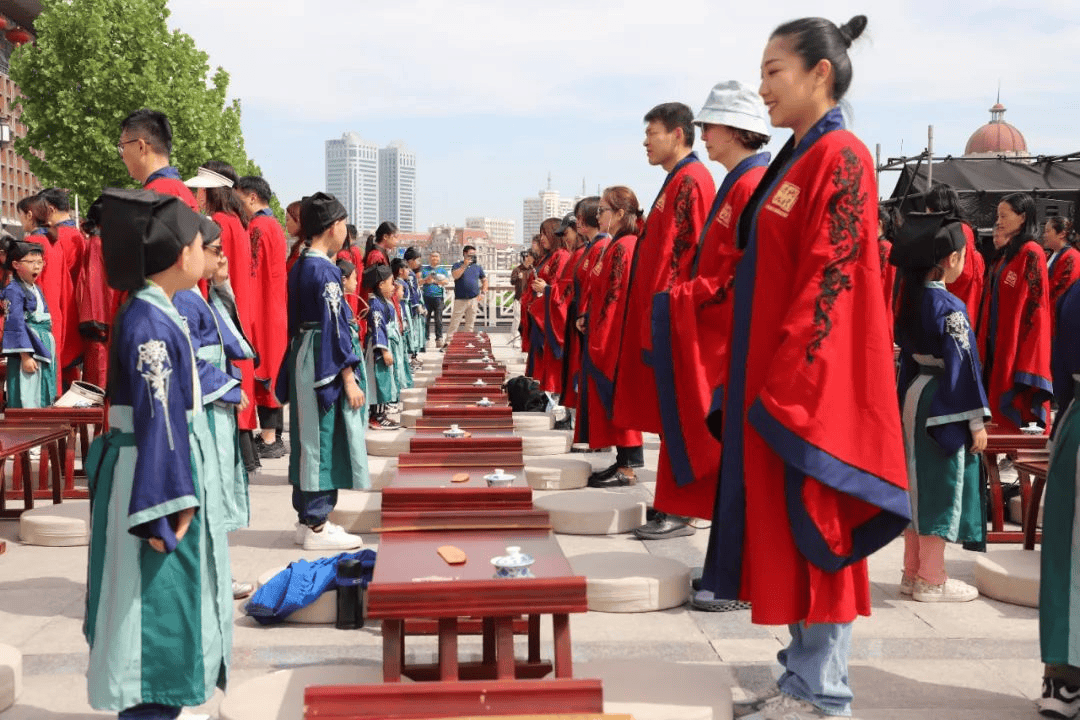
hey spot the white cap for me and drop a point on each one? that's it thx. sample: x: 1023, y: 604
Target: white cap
x: 208, y: 179
x: 81, y: 394
x: 733, y: 104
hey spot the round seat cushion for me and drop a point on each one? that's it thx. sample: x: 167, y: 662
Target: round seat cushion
x: 280, y: 694
x: 423, y: 379
x: 592, y: 511
x: 1015, y: 513
x: 321, y: 612
x: 62, y: 525
x: 357, y: 511
x: 1010, y: 575
x: 413, y: 394
x: 556, y: 473
x: 533, y: 421
x: 632, y: 582
x: 11, y: 674
x: 690, y: 691
x: 409, y: 417
x: 388, y: 443
x: 544, y: 442
x: 413, y: 404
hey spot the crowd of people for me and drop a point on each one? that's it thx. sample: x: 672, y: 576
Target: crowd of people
x: 756, y: 327
x: 765, y: 328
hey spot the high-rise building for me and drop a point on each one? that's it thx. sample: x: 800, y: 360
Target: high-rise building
x: 499, y: 231
x: 352, y: 176
x: 16, y: 180
x: 536, y: 210
x: 397, y: 186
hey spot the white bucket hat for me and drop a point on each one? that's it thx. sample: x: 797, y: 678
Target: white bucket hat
x: 733, y: 104
x: 207, y: 179
x: 81, y: 394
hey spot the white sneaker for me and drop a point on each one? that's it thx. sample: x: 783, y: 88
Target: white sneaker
x: 786, y: 707
x: 907, y: 584
x: 331, y: 537
x: 951, y: 590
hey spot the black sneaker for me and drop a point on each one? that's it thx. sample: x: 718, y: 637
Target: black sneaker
x: 664, y: 526
x: 271, y: 451
x: 1058, y: 699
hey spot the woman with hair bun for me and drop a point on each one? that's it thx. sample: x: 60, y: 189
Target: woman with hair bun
x: 804, y: 498
x: 620, y: 216
x: 1014, y: 327
x: 1063, y: 265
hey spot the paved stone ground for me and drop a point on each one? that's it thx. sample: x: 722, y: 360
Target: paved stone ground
x: 910, y: 660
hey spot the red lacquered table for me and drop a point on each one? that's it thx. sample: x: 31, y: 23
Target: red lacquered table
x: 1010, y: 445
x: 16, y: 440
x: 81, y: 421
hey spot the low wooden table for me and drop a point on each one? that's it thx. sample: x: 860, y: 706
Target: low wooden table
x: 411, y: 581
x: 1009, y: 445
x: 1031, y: 495
x: 424, y: 494
x: 81, y: 421
x: 16, y: 440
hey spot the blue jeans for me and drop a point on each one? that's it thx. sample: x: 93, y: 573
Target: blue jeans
x: 313, y: 507
x: 150, y: 711
x: 816, y: 666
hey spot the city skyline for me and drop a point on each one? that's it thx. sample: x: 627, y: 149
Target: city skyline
x: 375, y: 184
x: 490, y: 119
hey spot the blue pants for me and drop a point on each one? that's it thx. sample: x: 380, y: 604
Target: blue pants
x: 816, y: 666
x: 150, y: 711
x: 313, y: 507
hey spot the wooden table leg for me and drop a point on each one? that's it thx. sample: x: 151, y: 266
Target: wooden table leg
x: 534, y: 638
x: 1031, y: 520
x: 997, y: 516
x: 69, y: 460
x: 57, y: 476
x: 393, y: 632
x: 448, y: 650
x: 564, y: 662
x: 28, y: 483
x: 489, y: 641
x: 504, y: 648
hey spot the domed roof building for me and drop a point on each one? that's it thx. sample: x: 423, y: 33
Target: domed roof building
x: 996, y: 138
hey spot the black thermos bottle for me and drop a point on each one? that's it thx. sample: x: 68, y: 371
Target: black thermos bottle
x: 350, y: 594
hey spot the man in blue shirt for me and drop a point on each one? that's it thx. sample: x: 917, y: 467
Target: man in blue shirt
x: 433, y: 282
x: 470, y: 286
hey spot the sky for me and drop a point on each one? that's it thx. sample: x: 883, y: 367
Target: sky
x: 493, y: 96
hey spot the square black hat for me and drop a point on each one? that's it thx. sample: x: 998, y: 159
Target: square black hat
x: 375, y: 274
x: 143, y: 232
x: 318, y: 212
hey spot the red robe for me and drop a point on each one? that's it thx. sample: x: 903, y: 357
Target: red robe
x: 814, y: 476
x: 269, y: 331
x: 55, y: 284
x: 1014, y: 339
x: 969, y: 286
x: 377, y: 256
x: 888, y: 276
x: 570, y: 337
x: 608, y: 295
x: 584, y: 283
x: 355, y: 255
x: 97, y: 304
x: 236, y: 244
x: 74, y: 245
x: 691, y: 329
x: 665, y: 254
x: 173, y: 186
x: 1062, y: 274
x: 545, y: 360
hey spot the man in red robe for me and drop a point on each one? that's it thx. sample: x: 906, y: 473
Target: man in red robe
x: 662, y: 257
x: 145, y: 145
x: 691, y: 324
x: 269, y: 324
x: 73, y: 244
x: 97, y: 303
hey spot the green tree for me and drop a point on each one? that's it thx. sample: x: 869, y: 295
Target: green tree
x: 94, y: 62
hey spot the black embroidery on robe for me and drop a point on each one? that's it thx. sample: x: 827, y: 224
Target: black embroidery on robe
x: 684, y: 231
x: 845, y: 211
x: 618, y: 269
x: 1035, y: 292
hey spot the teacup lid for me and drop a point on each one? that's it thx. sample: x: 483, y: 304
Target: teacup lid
x: 514, y: 558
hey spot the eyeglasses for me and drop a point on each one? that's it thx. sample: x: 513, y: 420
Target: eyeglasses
x: 120, y: 145
x: 32, y: 263
x: 214, y: 250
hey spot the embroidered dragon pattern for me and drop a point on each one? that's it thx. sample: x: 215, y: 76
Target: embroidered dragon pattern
x: 845, y: 217
x: 1035, y: 292
x: 618, y: 270
x: 155, y: 368
x: 256, y: 238
x: 684, y: 229
x: 1064, y: 276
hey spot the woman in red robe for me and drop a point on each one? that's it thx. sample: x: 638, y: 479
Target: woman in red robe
x: 380, y: 246
x: 292, y: 229
x: 545, y: 357
x: 620, y: 216
x: 588, y: 230
x: 813, y: 475
x: 1014, y: 330
x: 1063, y: 265
x: 532, y: 339
x: 887, y: 227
